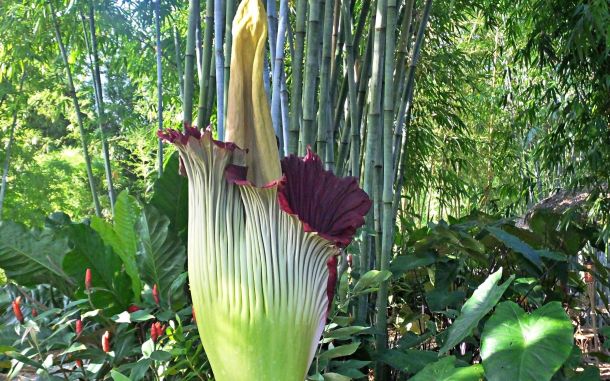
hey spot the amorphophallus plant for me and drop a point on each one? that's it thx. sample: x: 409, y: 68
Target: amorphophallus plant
x: 263, y: 234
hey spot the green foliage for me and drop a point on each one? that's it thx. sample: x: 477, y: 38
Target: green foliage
x: 121, y: 236
x: 161, y: 255
x: 483, y: 300
x: 32, y: 257
x: 526, y: 347
x: 170, y: 195
x: 113, y: 291
x: 445, y: 370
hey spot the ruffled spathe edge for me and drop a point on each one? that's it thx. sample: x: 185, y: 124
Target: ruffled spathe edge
x: 331, y: 206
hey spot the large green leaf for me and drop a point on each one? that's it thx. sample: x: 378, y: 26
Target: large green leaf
x: 170, y: 195
x: 484, y: 298
x: 445, y: 370
x: 33, y: 257
x: 161, y: 254
x: 408, y: 360
x: 518, y: 246
x: 121, y: 236
x: 112, y: 286
x: 516, y: 346
x: 370, y: 281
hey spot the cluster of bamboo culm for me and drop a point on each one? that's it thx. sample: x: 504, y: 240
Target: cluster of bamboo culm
x: 350, y: 73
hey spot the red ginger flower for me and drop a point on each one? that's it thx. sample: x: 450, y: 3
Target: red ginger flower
x: 156, y: 331
x: 34, y: 312
x: 106, y: 342
x: 79, y: 326
x: 17, y: 309
x: 88, y: 279
x: 133, y: 308
x: 155, y: 294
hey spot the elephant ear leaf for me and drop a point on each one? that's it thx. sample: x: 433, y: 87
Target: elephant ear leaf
x: 483, y: 300
x: 161, y: 254
x: 111, y: 284
x: 516, y: 346
x: 33, y: 257
x: 121, y: 236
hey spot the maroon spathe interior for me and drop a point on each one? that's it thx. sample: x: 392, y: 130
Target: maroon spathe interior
x: 332, y: 206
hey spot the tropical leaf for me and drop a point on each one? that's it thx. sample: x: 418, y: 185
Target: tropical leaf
x: 516, y: 346
x: 170, y: 195
x: 121, y: 236
x: 484, y: 298
x: 161, y: 254
x: 518, y: 246
x: 33, y: 257
x: 371, y: 280
x: 111, y: 284
x: 445, y: 370
x: 408, y: 360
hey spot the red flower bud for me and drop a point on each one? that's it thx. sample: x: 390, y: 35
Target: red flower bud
x: 133, y: 308
x: 88, y: 279
x: 155, y: 294
x: 17, y: 309
x: 79, y: 327
x: 156, y: 331
x: 79, y: 362
x: 106, y: 342
x: 34, y: 312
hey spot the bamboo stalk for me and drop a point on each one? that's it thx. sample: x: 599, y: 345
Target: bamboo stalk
x: 285, y: 110
x: 99, y: 98
x: 408, y: 90
x: 11, y: 140
x: 388, y: 217
x: 324, y: 118
x: 100, y: 106
x: 203, y: 114
x: 272, y: 30
x: 178, y: 63
x: 403, y: 49
x: 212, y: 95
x: 198, y: 46
x: 362, y: 107
x: 297, y: 83
x: 79, y: 117
x: 159, y: 87
x: 7, y: 158
x: 189, y: 62
x: 278, y: 67
x: 219, y: 20
x: 335, y: 37
x: 229, y: 15
x: 352, y: 90
x: 312, y: 67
